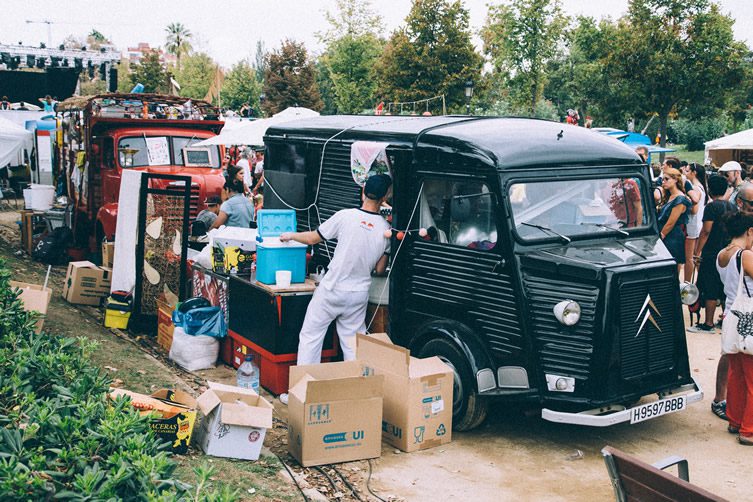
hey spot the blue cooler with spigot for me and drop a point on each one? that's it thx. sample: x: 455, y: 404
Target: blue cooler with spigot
x: 273, y: 255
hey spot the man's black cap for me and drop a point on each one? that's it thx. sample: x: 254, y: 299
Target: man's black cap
x: 213, y: 200
x: 377, y: 186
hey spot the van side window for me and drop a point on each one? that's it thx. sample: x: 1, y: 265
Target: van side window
x: 459, y: 212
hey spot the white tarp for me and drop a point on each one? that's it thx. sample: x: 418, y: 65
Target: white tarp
x: 252, y: 133
x: 126, y: 231
x: 14, y: 139
x: 720, y: 150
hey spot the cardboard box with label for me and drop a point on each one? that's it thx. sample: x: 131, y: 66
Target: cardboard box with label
x: 35, y: 298
x: 334, y: 413
x: 165, y: 326
x: 235, y: 421
x: 173, y: 414
x: 86, y: 283
x: 417, y: 394
x: 233, y: 249
x: 108, y: 254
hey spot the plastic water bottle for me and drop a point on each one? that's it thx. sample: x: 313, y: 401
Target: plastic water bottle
x: 248, y: 374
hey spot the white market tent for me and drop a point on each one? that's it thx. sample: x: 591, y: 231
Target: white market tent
x: 738, y: 146
x: 14, y: 139
x: 252, y: 133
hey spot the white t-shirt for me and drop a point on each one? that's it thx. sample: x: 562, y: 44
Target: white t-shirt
x: 259, y: 169
x: 360, y: 244
x: 246, y: 166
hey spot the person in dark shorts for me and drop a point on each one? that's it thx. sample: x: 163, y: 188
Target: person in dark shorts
x: 712, y: 239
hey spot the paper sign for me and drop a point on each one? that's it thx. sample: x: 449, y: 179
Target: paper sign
x: 158, y: 151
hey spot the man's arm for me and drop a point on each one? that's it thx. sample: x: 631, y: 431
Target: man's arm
x: 309, y: 238
x: 381, y: 266
x: 703, y: 237
x: 220, y: 220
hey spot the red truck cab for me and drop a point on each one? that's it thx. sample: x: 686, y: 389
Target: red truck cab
x: 141, y: 132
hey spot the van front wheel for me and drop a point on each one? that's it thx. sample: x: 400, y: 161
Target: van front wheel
x: 468, y: 408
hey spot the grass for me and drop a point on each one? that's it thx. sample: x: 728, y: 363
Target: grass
x: 681, y: 153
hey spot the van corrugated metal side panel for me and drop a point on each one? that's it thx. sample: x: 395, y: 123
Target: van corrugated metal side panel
x: 456, y: 282
x: 337, y: 190
x: 562, y: 350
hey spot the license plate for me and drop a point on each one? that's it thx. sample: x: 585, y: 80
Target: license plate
x: 657, y: 408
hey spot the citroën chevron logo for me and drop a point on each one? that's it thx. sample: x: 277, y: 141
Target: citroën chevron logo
x: 646, y: 314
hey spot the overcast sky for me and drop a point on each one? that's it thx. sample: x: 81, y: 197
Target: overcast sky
x: 228, y: 29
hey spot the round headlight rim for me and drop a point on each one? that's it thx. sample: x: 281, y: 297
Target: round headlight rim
x: 564, y: 310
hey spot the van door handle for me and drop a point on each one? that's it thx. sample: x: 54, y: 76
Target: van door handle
x: 499, y: 266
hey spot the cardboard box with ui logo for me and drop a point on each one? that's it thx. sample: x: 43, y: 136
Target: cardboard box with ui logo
x: 334, y: 413
x: 417, y: 396
x: 235, y: 421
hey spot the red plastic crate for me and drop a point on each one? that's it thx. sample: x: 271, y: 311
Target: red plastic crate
x: 274, y: 369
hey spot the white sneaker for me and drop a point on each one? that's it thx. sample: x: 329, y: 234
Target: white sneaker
x: 283, y: 398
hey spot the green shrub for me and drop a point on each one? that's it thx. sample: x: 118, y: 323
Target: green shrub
x: 60, y: 436
x: 694, y: 133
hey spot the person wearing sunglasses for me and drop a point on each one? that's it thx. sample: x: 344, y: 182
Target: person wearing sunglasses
x: 732, y: 172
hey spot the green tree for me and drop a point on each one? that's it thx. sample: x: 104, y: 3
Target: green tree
x: 150, y: 73
x: 290, y: 79
x: 577, y: 78
x: 196, y: 75
x: 95, y: 40
x: 432, y: 55
x: 240, y: 87
x: 178, y: 41
x: 326, y: 89
x: 353, y: 47
x: 125, y: 82
x: 260, y: 60
x: 520, y: 39
x: 669, y: 55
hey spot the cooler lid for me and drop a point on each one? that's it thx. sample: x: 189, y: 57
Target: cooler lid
x: 273, y: 222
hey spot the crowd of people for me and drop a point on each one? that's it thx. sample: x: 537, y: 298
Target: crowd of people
x: 242, y: 193
x: 706, y: 223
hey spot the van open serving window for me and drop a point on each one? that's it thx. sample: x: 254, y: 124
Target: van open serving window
x: 570, y: 208
x: 140, y: 151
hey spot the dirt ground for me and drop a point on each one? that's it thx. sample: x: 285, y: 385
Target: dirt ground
x: 513, y: 456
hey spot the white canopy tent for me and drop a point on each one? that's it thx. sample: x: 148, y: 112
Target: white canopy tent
x: 14, y: 139
x: 252, y: 133
x: 738, y: 146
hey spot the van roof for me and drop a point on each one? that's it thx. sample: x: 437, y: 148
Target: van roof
x: 503, y: 142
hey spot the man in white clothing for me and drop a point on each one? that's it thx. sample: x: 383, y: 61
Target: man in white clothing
x: 343, y: 294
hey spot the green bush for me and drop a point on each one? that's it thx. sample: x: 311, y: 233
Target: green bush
x: 60, y: 436
x: 694, y: 133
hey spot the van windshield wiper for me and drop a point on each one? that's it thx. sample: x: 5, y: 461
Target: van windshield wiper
x: 564, y: 238
x: 608, y: 227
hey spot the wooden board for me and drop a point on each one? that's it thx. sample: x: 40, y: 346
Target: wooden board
x: 301, y: 287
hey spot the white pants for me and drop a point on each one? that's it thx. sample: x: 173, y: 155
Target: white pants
x: 347, y: 308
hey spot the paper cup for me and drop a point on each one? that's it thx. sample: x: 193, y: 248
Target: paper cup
x: 282, y: 278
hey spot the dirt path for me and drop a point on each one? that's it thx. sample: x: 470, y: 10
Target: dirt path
x: 511, y: 457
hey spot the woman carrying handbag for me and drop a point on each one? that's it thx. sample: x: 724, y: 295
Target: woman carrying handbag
x: 737, y: 328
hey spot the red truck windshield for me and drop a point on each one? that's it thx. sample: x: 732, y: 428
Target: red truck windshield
x: 140, y: 151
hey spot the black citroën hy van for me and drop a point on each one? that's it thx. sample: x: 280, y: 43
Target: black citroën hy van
x: 542, y: 279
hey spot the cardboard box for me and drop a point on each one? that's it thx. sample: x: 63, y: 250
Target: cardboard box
x: 235, y: 422
x: 35, y: 298
x: 165, y: 326
x: 334, y: 413
x: 173, y: 414
x: 108, y: 254
x: 417, y: 394
x: 86, y: 283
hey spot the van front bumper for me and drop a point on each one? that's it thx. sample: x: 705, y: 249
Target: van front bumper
x: 604, y: 416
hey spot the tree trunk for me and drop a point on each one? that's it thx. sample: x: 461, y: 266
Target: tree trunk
x: 663, y: 116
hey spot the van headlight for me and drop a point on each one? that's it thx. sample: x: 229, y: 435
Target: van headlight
x: 567, y: 312
x: 689, y: 293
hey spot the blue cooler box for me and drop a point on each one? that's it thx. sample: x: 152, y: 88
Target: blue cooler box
x: 273, y: 255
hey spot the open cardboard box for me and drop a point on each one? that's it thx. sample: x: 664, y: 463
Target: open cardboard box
x: 35, y: 298
x: 334, y: 413
x: 235, y: 421
x: 417, y: 397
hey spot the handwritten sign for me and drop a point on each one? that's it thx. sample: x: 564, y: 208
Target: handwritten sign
x: 158, y: 151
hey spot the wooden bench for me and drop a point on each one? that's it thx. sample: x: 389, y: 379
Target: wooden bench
x: 636, y: 481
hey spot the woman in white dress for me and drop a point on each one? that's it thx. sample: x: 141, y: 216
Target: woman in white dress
x: 696, y: 175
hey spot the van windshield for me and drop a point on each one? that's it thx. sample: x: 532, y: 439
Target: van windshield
x: 548, y: 209
x: 141, y: 151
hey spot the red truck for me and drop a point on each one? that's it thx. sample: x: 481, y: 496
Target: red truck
x: 146, y: 132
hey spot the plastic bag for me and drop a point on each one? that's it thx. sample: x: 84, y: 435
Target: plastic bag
x: 194, y: 353
x: 209, y: 321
